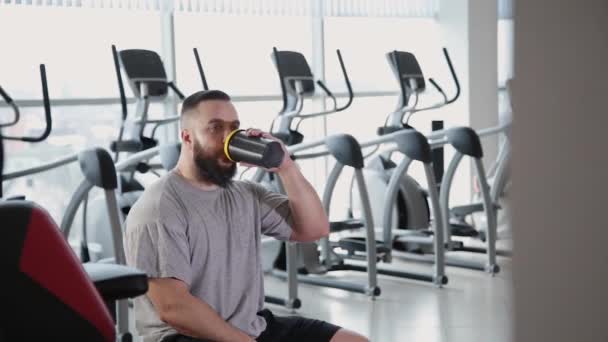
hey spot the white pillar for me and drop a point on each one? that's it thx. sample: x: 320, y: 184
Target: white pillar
x: 470, y: 34
x: 167, y: 35
x: 318, y: 69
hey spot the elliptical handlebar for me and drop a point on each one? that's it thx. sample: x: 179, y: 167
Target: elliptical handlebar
x: 324, y: 87
x: 335, y: 109
x: 5, y: 96
x: 199, y: 65
x: 328, y: 92
x: 121, y: 87
x: 439, y: 89
x: 454, y: 76
x: 275, y: 54
x: 176, y: 90
x: 11, y: 103
x: 445, y: 101
x: 347, y: 81
x: 47, y: 112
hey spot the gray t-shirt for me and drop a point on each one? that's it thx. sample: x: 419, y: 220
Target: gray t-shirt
x: 211, y: 241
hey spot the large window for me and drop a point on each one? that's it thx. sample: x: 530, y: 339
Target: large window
x: 236, y: 50
x: 75, y: 128
x: 364, y: 43
x: 74, y: 43
x: 239, y: 62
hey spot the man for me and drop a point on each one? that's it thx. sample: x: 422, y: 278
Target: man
x: 196, y: 233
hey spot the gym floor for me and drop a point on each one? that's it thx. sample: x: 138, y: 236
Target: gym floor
x: 472, y: 307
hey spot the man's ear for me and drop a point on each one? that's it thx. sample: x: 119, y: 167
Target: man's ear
x: 186, y: 136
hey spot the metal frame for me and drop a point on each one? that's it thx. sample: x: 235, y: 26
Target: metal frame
x: 292, y: 301
x: 78, y: 197
x: 88, y: 101
x: 438, y: 278
x: 371, y: 287
x: 490, y: 196
x: 489, y: 208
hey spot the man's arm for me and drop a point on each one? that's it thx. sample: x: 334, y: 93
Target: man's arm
x: 189, y: 315
x: 310, y: 222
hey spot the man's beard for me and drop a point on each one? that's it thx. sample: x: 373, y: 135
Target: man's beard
x: 209, y: 169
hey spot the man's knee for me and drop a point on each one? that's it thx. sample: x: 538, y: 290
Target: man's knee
x: 344, y: 335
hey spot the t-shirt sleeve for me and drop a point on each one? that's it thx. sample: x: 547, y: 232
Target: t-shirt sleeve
x: 160, y: 247
x: 275, y: 213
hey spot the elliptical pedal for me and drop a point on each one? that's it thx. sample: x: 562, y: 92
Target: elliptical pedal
x: 356, y: 246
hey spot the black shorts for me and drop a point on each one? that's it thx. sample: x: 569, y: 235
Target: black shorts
x: 290, y: 328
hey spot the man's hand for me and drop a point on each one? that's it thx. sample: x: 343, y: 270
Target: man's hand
x: 310, y: 221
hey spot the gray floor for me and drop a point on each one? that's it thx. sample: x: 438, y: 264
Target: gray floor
x: 473, y: 307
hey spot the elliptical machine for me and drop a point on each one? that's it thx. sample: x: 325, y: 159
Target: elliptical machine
x: 412, y: 212
x: 148, y: 81
x: 348, y: 253
x: 407, y: 215
x: 33, y: 239
x: 147, y: 78
x: 297, y: 84
x: 17, y: 115
x: 413, y: 146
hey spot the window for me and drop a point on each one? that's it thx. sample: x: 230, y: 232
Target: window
x: 72, y: 132
x: 236, y: 50
x: 74, y: 43
x: 364, y: 43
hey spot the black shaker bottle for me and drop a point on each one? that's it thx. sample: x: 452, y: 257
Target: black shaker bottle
x: 239, y: 147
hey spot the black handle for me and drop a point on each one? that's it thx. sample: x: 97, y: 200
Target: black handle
x: 16, y: 112
x: 432, y: 81
x: 347, y: 81
x: 121, y: 88
x: 126, y: 146
x: 5, y: 96
x: 47, y: 110
x: 177, y: 91
x: 327, y: 91
x: 454, y: 77
x: 200, y: 69
x: 402, y: 87
x: 277, y: 60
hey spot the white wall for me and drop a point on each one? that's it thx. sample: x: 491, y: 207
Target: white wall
x: 559, y: 171
x: 470, y: 32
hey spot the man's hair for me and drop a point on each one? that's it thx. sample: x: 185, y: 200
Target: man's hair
x: 192, y: 101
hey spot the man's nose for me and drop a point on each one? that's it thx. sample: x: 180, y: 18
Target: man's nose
x: 226, y: 134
